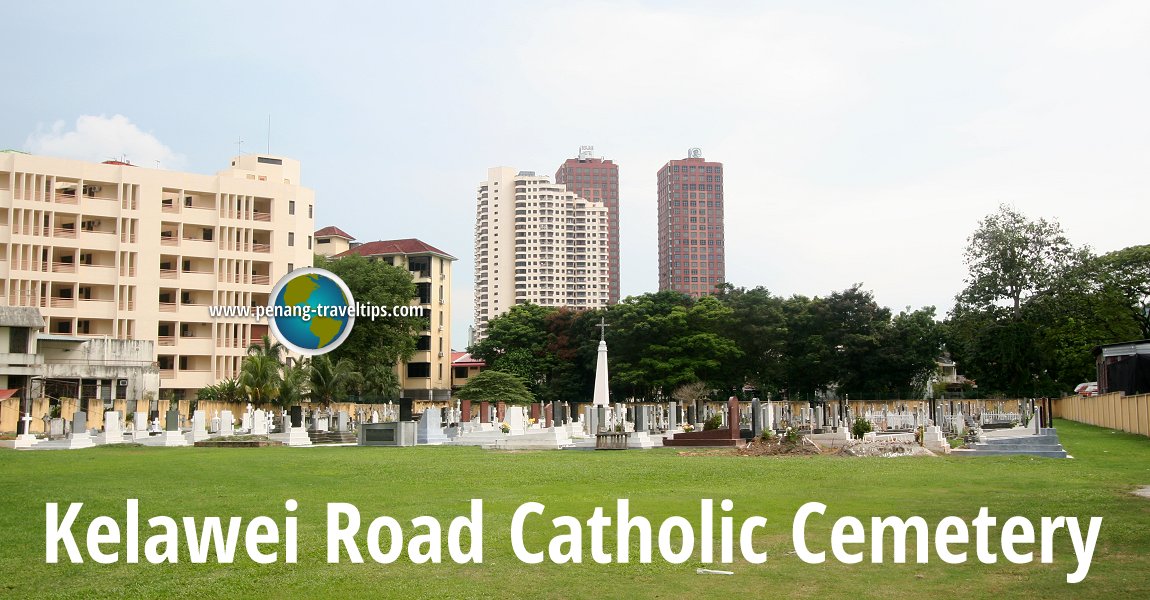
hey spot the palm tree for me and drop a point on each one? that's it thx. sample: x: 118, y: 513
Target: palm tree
x: 260, y: 378
x: 267, y: 347
x: 229, y: 390
x: 330, y: 380
x: 293, y: 385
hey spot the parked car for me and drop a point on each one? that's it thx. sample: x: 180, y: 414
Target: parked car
x: 1087, y: 389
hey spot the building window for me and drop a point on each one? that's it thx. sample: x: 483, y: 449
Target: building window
x: 461, y: 372
x: 291, y: 267
x: 291, y: 207
x: 291, y: 238
x: 419, y: 370
x: 18, y: 340
x: 309, y: 211
x: 309, y: 242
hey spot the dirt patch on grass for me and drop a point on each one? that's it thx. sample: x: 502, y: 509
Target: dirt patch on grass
x: 1143, y: 491
x: 883, y: 449
x: 779, y: 448
x: 761, y: 448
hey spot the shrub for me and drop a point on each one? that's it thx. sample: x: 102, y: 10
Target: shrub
x: 861, y: 427
x: 791, y: 436
x: 713, y: 423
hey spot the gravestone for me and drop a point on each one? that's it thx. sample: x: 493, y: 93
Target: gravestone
x: 429, y: 430
x: 227, y: 423
x: 513, y: 416
x: 672, y: 416
x: 246, y: 422
x: 199, y: 427
x: 601, y: 419
x: 692, y: 415
x: 484, y: 411
x: 756, y: 418
x: 733, y: 423
x: 640, y: 418
x: 465, y: 411
x: 172, y: 420
x: 260, y: 422
x: 343, y: 421
x: 296, y: 416
x: 113, y: 433
x: 139, y: 425
x: 405, y: 409
x: 591, y: 419
x: 80, y: 422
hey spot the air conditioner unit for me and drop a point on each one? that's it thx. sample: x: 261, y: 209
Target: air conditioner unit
x: 440, y: 355
x: 441, y: 327
x: 122, y: 383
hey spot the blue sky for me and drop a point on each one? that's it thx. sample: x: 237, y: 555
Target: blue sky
x: 862, y: 141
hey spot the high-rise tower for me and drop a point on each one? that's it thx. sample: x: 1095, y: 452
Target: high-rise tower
x: 597, y: 179
x: 691, y: 254
x: 536, y: 242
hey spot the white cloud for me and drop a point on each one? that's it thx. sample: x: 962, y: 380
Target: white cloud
x: 100, y: 138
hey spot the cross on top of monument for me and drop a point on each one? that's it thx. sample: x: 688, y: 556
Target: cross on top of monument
x: 602, y: 329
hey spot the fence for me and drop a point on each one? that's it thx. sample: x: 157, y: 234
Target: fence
x: 1114, y: 410
x: 11, y: 410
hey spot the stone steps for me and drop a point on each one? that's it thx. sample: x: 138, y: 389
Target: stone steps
x: 332, y: 437
x: 1045, y: 444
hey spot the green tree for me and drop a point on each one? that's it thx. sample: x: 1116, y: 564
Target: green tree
x: 330, y: 379
x: 267, y: 347
x: 378, y: 383
x: 383, y: 341
x: 661, y: 341
x: 260, y: 377
x: 517, y: 342
x: 1126, y: 274
x: 1011, y: 259
x: 293, y: 383
x: 496, y: 386
x: 758, y: 326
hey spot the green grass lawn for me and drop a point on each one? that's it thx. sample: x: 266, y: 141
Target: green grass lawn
x: 438, y: 481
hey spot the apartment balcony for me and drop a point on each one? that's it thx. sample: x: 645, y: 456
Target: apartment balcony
x: 63, y: 267
x: 197, y: 345
x: 190, y: 378
x: 57, y: 302
x: 200, y: 278
x: 261, y: 216
x: 169, y: 274
x: 103, y: 308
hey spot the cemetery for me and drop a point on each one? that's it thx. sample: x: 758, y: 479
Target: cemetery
x: 441, y: 481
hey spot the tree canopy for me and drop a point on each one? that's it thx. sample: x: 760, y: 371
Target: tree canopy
x: 496, y: 386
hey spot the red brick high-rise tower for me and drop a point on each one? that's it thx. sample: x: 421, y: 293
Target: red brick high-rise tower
x: 691, y: 255
x: 598, y: 180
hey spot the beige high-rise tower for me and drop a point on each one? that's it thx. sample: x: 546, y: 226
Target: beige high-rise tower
x: 536, y: 242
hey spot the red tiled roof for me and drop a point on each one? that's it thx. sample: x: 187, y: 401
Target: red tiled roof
x: 406, y: 246
x: 332, y: 230
x: 463, y: 359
